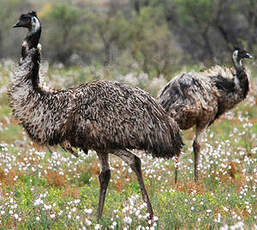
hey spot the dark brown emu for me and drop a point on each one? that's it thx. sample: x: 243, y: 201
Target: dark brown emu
x: 108, y: 117
x: 200, y: 98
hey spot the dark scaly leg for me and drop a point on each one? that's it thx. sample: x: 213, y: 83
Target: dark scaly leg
x: 104, y: 178
x: 176, y: 168
x: 49, y: 149
x: 197, y: 147
x: 135, y: 163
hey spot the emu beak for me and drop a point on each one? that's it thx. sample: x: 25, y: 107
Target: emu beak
x: 247, y: 55
x: 19, y: 24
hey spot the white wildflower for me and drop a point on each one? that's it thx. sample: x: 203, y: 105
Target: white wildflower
x: 97, y: 226
x: 88, y: 222
x: 127, y: 220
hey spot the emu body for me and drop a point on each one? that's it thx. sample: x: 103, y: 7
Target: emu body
x: 101, y: 115
x: 200, y: 98
x: 108, y: 117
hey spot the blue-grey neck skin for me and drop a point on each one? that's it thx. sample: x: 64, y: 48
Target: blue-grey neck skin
x: 237, y: 61
x: 33, y: 36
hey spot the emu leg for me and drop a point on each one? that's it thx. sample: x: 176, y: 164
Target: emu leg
x: 176, y: 169
x: 196, y: 147
x: 104, y: 179
x: 49, y: 149
x: 135, y: 163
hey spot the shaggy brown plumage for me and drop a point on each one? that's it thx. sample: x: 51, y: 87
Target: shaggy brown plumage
x: 109, y: 117
x: 101, y: 115
x: 200, y: 98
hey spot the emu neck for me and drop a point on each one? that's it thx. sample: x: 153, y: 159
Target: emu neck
x: 237, y: 63
x: 32, y: 39
x: 25, y: 83
x: 241, y: 78
x: 243, y: 82
x: 35, y: 72
x: 30, y: 104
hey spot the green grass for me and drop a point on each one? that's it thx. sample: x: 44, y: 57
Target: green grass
x: 43, y: 191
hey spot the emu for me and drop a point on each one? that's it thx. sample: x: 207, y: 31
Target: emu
x: 105, y: 116
x: 201, y: 98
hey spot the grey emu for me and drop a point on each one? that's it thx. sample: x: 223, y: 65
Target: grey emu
x: 108, y: 117
x: 200, y: 98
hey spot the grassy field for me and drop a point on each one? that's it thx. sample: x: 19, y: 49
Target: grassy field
x: 43, y: 190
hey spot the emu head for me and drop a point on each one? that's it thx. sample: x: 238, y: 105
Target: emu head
x: 29, y: 21
x: 238, y: 55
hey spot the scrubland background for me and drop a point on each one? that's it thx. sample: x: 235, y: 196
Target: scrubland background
x: 144, y: 43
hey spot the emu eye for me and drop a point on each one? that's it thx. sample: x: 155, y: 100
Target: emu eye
x: 26, y: 19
